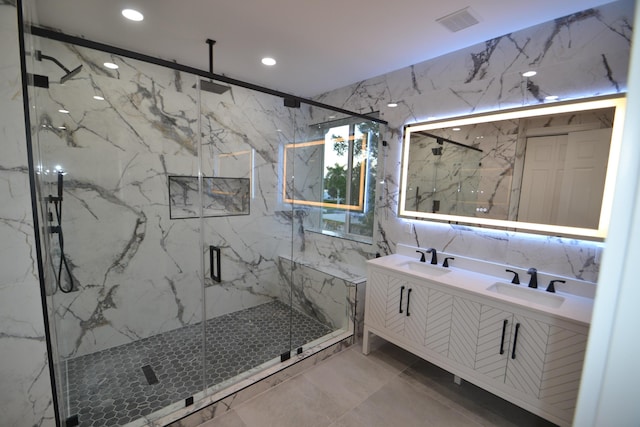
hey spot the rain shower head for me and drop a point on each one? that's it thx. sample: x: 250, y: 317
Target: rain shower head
x: 208, y: 85
x: 68, y: 73
x: 437, y: 151
x: 212, y: 87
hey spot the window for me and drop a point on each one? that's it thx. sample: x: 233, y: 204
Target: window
x: 335, y: 179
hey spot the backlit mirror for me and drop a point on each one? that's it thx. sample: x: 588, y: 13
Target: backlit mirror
x: 548, y: 169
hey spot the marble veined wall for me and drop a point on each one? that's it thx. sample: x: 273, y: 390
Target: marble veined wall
x: 136, y: 271
x: 25, y: 389
x: 576, y: 56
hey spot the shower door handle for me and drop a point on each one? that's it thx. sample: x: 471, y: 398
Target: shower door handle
x: 215, y: 273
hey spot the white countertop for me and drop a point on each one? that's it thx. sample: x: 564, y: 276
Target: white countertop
x: 574, y: 308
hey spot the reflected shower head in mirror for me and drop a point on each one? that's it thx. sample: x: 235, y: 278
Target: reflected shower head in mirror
x: 68, y: 73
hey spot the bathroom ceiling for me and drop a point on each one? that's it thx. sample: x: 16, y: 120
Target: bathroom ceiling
x: 319, y: 45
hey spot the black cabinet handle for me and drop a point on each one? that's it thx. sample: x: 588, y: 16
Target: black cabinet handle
x: 408, y: 300
x: 401, y: 293
x: 215, y: 250
x: 515, y: 341
x: 504, y: 330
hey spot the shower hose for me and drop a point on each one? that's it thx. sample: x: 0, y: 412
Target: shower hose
x: 63, y: 259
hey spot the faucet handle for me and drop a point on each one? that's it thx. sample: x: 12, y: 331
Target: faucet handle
x: 516, y: 278
x: 446, y: 261
x: 551, y: 287
x: 422, y: 256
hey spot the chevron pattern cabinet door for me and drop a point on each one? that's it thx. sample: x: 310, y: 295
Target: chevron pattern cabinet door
x: 563, y: 369
x: 396, y: 294
x: 489, y: 361
x: 416, y: 321
x: 464, y: 331
x: 524, y: 373
x: 438, y: 329
x: 376, y: 311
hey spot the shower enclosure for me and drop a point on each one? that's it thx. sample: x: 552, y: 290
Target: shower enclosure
x: 177, y: 258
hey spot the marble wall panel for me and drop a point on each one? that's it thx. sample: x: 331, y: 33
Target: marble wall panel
x: 25, y: 395
x: 577, y: 56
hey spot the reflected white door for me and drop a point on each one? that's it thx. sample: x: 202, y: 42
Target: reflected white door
x: 563, y: 178
x: 543, y: 169
x: 584, y: 174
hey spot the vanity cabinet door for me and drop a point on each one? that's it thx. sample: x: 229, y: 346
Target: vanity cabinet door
x: 376, y: 299
x: 464, y: 331
x: 563, y: 369
x: 406, y: 309
x: 527, y: 354
x: 494, y: 340
x: 439, y: 316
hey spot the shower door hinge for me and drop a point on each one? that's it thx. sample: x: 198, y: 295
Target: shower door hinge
x: 285, y: 356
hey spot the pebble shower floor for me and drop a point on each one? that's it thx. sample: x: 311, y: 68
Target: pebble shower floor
x: 110, y: 388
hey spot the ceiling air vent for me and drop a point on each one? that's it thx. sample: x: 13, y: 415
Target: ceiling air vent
x: 459, y: 20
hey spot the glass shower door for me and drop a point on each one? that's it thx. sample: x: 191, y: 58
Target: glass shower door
x: 246, y: 231
x: 123, y: 265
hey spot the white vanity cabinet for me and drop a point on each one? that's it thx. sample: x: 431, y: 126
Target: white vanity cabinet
x: 398, y: 306
x: 531, y: 359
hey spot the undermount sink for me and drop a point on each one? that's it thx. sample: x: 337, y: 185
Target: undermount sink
x: 423, y: 267
x: 531, y: 295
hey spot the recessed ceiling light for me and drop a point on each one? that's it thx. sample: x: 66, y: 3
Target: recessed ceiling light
x: 98, y: 98
x: 455, y: 129
x: 269, y: 61
x: 111, y: 65
x: 63, y: 111
x: 529, y: 73
x: 392, y: 104
x: 132, y: 14
x: 551, y: 98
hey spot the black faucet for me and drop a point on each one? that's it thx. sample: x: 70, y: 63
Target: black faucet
x: 422, y: 258
x: 516, y: 278
x: 551, y: 287
x: 446, y: 261
x: 434, y: 256
x: 533, y: 283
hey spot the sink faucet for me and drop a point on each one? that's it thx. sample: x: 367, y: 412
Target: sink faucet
x: 533, y: 283
x: 551, y: 287
x: 422, y: 258
x: 434, y: 256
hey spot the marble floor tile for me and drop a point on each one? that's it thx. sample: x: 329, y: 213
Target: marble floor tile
x: 294, y: 403
x: 483, y: 407
x: 230, y: 419
x: 388, y: 388
x: 350, y: 377
x: 399, y: 403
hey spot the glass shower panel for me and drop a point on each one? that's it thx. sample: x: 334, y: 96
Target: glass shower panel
x: 124, y: 276
x: 246, y: 231
x: 331, y: 188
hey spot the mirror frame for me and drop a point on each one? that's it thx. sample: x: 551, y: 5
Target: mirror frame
x: 600, y: 233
